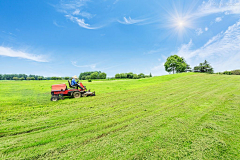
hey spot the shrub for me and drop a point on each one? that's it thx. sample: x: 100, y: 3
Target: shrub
x: 147, y: 76
x: 227, y: 72
x: 89, y: 80
x: 117, y: 76
x: 141, y: 75
x: 15, y: 78
x: 236, y: 72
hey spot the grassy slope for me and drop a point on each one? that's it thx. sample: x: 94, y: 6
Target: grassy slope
x: 191, y: 116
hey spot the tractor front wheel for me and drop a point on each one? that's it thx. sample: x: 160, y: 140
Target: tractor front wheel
x: 76, y: 94
x: 54, y: 98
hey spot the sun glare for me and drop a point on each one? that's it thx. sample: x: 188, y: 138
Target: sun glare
x: 180, y: 20
x: 181, y: 23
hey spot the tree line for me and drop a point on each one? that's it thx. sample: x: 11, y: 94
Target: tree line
x: 20, y: 77
x: 234, y: 72
x: 131, y: 75
x: 29, y: 77
x: 92, y: 75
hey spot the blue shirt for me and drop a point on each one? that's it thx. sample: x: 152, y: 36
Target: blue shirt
x: 73, y: 82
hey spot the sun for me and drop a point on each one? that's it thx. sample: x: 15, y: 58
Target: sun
x: 180, y: 23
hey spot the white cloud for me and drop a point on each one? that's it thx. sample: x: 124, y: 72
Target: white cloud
x: 199, y: 31
x: 5, y: 51
x: 158, y: 70
x: 92, y: 66
x: 80, y: 22
x: 76, y: 12
x: 206, y: 28
x: 73, y: 11
x: 218, y: 19
x: 216, y: 6
x: 83, y: 14
x: 56, y: 24
x: 222, y: 50
x: 129, y: 20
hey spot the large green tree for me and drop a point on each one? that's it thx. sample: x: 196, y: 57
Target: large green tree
x: 175, y: 64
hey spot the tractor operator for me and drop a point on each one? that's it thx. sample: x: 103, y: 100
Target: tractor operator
x: 74, y: 83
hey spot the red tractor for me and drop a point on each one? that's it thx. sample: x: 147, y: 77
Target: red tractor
x: 61, y: 90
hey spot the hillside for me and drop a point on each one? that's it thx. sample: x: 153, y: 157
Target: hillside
x: 182, y: 116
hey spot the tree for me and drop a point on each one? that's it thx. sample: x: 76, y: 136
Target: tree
x: 83, y: 75
x: 0, y: 77
x: 204, y: 67
x: 117, y: 76
x: 66, y: 78
x: 123, y: 75
x: 174, y: 64
x: 135, y: 76
x: 130, y: 75
x: 53, y: 78
x: 141, y: 75
x: 188, y: 68
x: 22, y: 78
x: 15, y: 78
x: 40, y: 78
x: 102, y: 75
x: 94, y: 75
x: 32, y: 78
x: 150, y: 75
x: 28, y: 78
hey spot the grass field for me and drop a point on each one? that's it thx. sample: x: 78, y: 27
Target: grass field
x: 181, y: 116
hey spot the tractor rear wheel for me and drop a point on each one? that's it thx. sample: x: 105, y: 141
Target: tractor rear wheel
x: 54, y: 98
x: 76, y: 94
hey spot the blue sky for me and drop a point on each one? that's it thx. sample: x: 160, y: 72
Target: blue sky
x: 67, y: 37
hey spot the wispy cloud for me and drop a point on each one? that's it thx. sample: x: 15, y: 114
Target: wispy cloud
x: 80, y: 22
x: 222, y: 50
x: 218, y: 19
x: 5, y: 51
x: 77, y: 12
x: 199, y: 31
x: 56, y: 24
x: 73, y: 11
x: 129, y: 20
x: 92, y: 66
x: 206, y: 28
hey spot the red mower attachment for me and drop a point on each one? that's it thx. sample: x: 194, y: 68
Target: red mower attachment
x: 61, y: 90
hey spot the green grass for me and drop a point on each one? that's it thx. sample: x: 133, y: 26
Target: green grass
x: 181, y: 116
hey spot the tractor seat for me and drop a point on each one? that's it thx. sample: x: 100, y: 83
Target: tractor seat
x: 69, y: 83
